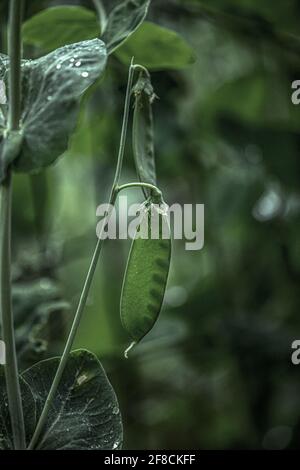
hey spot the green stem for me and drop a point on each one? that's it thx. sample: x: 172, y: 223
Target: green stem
x: 154, y: 189
x: 124, y: 127
x: 14, y: 52
x: 89, y: 277
x: 11, y: 365
x: 143, y: 69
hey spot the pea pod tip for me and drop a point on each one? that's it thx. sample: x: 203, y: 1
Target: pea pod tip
x: 130, y: 347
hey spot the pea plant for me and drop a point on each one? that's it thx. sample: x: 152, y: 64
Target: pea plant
x: 67, y: 402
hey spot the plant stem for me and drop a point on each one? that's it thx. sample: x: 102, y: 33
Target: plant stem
x: 89, y: 277
x: 124, y: 127
x: 14, y: 52
x: 153, y: 188
x: 143, y: 69
x: 11, y: 365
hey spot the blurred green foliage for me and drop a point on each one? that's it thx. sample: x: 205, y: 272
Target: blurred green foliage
x: 216, y: 371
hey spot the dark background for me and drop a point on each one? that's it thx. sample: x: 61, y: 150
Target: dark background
x: 216, y: 371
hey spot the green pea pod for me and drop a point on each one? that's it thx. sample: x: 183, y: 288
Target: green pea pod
x: 146, y: 276
x: 143, y: 133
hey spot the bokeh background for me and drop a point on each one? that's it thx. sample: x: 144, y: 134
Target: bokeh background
x: 216, y: 371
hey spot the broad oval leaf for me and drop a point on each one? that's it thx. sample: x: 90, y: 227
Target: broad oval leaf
x: 64, y: 25
x: 143, y: 133
x: 146, y: 274
x: 123, y: 21
x: 85, y: 413
x: 52, y: 88
x: 157, y: 48
x: 29, y: 409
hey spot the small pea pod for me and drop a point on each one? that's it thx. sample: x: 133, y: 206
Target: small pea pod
x: 146, y: 276
x: 143, y: 133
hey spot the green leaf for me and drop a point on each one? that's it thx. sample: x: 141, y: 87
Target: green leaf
x: 29, y: 409
x: 146, y: 275
x: 10, y: 148
x: 52, y: 88
x: 31, y: 295
x: 42, y: 333
x: 85, y: 412
x: 157, y: 48
x: 123, y: 21
x: 63, y: 24
x: 142, y: 131
x: 40, y: 319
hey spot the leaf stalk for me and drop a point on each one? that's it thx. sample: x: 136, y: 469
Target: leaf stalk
x: 90, y: 274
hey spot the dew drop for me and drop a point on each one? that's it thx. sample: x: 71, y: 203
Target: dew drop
x: 85, y: 74
x: 72, y: 60
x: 58, y: 66
x: 78, y: 63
